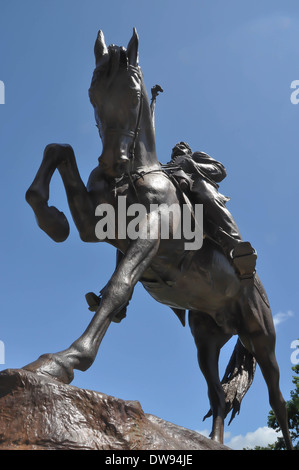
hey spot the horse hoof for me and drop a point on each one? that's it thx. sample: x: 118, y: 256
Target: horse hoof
x: 54, y: 223
x: 50, y: 365
x: 49, y: 219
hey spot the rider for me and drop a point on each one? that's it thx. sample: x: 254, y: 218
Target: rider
x: 205, y: 173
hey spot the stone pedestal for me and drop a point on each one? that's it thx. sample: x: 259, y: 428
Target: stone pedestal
x: 39, y: 413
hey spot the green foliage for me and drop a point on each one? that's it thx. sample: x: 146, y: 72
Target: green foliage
x: 293, y: 415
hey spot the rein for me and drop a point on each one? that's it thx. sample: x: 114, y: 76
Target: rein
x: 137, y: 130
x: 131, y: 174
x: 133, y: 145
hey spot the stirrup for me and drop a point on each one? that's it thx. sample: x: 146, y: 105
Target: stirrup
x: 244, y: 259
x: 94, y: 301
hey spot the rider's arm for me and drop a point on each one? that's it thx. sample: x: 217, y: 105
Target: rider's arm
x: 155, y: 92
x: 210, y: 166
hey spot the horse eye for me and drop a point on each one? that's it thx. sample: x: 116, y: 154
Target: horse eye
x: 135, y: 97
x: 135, y: 101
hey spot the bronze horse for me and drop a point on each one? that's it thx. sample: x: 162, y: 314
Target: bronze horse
x: 201, y: 281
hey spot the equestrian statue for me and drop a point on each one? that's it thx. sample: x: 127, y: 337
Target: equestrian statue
x: 216, y: 286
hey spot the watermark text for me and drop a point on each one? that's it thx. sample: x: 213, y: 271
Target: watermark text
x: 295, y: 354
x: 2, y: 92
x: 295, y: 94
x: 160, y: 221
x: 2, y: 352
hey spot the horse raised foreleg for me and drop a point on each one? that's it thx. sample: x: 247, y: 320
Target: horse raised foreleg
x: 49, y: 219
x: 82, y: 352
x: 79, y: 200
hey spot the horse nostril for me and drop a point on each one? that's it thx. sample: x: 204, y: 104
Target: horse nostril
x: 122, y: 164
x: 124, y: 159
x: 102, y: 164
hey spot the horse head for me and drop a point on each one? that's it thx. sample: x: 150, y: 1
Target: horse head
x: 121, y: 105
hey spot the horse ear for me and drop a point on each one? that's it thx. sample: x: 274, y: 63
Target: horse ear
x: 100, y: 48
x: 132, y: 49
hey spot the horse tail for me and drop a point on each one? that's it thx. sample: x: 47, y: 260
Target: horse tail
x: 237, y: 379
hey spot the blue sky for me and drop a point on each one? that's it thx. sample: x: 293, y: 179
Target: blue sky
x: 226, y: 68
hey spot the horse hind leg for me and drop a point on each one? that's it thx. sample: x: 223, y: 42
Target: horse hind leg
x: 265, y: 356
x: 260, y: 341
x: 271, y: 374
x: 209, y: 339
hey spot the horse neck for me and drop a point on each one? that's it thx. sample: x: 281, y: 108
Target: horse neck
x: 145, y: 155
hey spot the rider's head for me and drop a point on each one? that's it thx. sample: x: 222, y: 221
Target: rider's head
x: 181, y: 148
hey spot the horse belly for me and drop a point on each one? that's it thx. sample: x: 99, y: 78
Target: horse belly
x: 206, y: 286
x: 187, y: 294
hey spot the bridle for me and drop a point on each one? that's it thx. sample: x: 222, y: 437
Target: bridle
x: 130, y: 133
x: 136, y: 131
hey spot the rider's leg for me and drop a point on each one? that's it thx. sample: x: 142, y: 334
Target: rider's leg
x: 221, y: 226
x: 216, y: 212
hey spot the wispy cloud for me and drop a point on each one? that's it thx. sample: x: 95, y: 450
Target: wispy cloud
x: 280, y: 317
x: 260, y: 437
x: 271, y: 24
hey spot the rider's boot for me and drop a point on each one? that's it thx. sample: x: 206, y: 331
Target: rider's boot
x: 241, y: 254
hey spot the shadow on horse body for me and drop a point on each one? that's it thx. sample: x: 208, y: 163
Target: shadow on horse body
x: 202, y: 281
